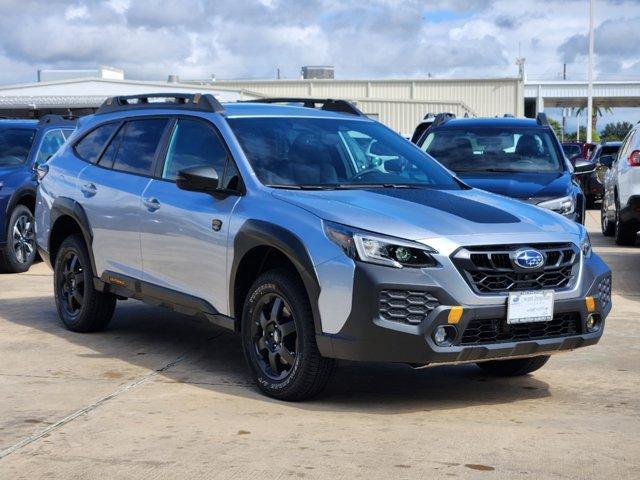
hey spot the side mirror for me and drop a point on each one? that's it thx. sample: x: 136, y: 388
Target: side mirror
x: 606, y: 160
x: 601, y: 171
x: 575, y: 158
x: 584, y: 166
x: 198, y: 179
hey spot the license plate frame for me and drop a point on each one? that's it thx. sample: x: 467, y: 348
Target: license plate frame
x: 531, y: 306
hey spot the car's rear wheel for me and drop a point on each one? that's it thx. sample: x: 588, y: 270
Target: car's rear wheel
x: 608, y: 227
x: 625, y: 233
x: 515, y: 367
x: 278, y: 338
x: 80, y: 306
x: 20, y: 252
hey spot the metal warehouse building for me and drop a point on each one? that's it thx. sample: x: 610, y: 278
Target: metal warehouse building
x: 401, y: 104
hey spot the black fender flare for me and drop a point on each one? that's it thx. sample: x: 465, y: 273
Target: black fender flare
x: 21, y: 192
x: 67, y: 207
x: 259, y: 233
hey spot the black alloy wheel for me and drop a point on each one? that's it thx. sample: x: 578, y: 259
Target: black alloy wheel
x: 275, y: 336
x: 72, y: 288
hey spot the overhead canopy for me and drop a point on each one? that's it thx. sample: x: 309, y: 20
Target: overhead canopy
x: 83, y: 96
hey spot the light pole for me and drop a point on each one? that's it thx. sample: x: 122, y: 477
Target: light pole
x: 590, y: 75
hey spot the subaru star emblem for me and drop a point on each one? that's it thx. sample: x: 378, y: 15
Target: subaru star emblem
x: 528, y: 258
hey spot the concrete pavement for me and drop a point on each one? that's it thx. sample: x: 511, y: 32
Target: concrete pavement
x: 158, y: 395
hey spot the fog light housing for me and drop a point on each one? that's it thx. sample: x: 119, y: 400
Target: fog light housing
x: 444, y: 335
x: 593, y: 323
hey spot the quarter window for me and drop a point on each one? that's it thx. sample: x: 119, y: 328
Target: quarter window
x: 193, y: 144
x: 90, y: 147
x: 51, y: 142
x: 137, y: 149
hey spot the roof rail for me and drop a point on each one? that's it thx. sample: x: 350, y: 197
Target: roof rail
x: 327, y: 104
x: 508, y: 115
x: 68, y: 119
x: 443, y: 118
x: 541, y: 119
x: 182, y: 101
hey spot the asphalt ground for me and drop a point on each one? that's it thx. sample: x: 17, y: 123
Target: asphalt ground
x: 159, y: 395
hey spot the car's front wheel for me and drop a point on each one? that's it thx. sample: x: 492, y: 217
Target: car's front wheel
x: 278, y: 338
x: 515, y: 367
x: 80, y: 306
x: 20, y: 252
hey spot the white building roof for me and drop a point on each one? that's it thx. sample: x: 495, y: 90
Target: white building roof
x: 91, y: 92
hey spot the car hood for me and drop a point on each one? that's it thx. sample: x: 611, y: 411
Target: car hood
x: 525, y: 186
x: 417, y: 214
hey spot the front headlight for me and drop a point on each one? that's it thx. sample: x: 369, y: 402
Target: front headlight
x: 563, y: 205
x: 379, y: 249
x: 585, y: 245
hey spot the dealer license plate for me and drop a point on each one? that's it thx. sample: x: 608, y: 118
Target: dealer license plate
x: 529, y: 307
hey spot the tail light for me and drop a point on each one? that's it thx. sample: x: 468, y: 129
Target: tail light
x: 634, y: 158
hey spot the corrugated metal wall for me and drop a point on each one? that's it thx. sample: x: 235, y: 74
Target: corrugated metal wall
x: 401, y: 104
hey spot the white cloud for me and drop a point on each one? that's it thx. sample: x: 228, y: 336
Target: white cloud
x: 251, y: 38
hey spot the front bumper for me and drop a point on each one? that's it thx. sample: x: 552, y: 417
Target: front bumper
x: 366, y: 336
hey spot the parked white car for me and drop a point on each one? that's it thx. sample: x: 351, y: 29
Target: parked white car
x: 620, y: 211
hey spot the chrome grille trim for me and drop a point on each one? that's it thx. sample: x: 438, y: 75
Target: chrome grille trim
x: 489, y: 270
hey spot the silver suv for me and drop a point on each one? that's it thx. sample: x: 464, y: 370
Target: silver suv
x: 313, y: 231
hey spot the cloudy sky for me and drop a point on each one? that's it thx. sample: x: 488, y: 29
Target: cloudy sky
x: 251, y: 38
x: 379, y: 38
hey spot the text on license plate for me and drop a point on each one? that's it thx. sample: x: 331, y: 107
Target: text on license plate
x: 528, y: 307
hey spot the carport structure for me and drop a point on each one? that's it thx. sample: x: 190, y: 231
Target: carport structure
x: 85, y: 95
x: 539, y: 95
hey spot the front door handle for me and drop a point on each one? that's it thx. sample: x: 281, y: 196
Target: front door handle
x: 89, y: 189
x: 152, y: 204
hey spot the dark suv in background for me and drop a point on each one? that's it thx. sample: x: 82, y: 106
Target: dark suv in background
x: 24, y: 144
x: 516, y: 157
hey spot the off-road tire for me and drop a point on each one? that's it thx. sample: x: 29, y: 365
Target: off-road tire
x: 96, y: 308
x: 310, y: 372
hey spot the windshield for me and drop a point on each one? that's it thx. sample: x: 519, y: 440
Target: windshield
x: 15, y: 144
x: 498, y: 149
x: 299, y: 152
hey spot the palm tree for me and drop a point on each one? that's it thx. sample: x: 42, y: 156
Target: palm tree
x: 597, y: 112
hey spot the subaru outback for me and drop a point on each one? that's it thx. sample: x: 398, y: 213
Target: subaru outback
x: 314, y: 232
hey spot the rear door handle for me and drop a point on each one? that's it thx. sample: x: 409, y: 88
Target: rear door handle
x: 89, y: 190
x: 152, y: 204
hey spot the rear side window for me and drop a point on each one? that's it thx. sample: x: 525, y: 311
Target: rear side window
x: 137, y: 149
x: 51, y: 142
x: 90, y: 147
x: 193, y: 144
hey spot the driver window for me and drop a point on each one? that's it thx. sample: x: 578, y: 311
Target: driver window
x: 193, y: 144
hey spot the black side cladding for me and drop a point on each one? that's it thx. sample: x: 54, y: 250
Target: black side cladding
x: 258, y: 233
x: 461, y: 207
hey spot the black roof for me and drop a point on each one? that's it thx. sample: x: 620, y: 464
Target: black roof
x: 489, y: 122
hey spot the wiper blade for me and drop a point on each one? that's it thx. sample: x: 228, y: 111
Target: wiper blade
x: 303, y: 187
x: 347, y: 186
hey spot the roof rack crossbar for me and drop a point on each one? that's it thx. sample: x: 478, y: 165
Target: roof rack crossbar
x: 541, y: 119
x: 443, y: 118
x: 69, y: 119
x: 327, y: 104
x: 183, y: 101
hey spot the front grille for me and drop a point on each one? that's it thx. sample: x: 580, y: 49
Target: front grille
x: 406, y: 306
x: 489, y: 269
x: 485, y: 331
x: 604, y: 291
